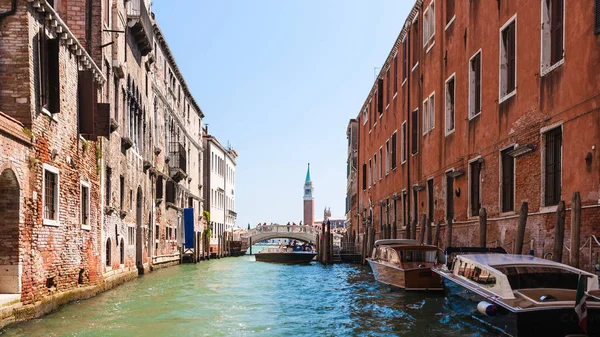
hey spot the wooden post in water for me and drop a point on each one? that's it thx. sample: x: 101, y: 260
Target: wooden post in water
x: 449, y: 233
x: 575, y: 230
x: 559, y: 232
x: 250, y: 244
x: 436, y: 239
x: 413, y: 231
x: 330, y: 257
x: 422, y: 234
x: 428, y: 231
x: 407, y: 230
x: 318, y: 248
x: 323, y: 246
x: 363, y: 253
x: 482, y: 227
x: 521, y: 227
x: 372, y: 241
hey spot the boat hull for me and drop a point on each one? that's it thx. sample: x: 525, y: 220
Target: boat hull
x: 293, y: 257
x: 412, y: 279
x: 547, y: 322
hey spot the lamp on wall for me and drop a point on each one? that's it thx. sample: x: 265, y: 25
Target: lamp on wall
x: 521, y: 150
x: 455, y: 173
x: 418, y: 188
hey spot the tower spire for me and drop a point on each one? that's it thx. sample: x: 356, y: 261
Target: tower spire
x: 308, y: 174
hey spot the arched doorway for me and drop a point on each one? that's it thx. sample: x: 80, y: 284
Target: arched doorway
x: 139, y: 246
x: 10, y: 197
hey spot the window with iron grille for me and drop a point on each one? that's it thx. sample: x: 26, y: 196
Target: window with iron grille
x: 508, y: 58
x: 50, y: 195
x: 552, y: 166
x: 553, y: 20
x: 508, y: 180
x: 475, y: 187
x: 475, y: 85
x: 85, y: 205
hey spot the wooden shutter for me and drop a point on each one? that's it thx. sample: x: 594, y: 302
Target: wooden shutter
x: 449, y: 10
x: 449, y: 197
x: 477, y: 71
x: 52, y: 46
x: 597, y: 17
x: 512, y: 58
x: 159, y: 187
x: 394, y: 151
x: 508, y: 165
x: 380, y: 95
x: 87, y: 103
x: 364, y: 176
x: 557, y: 30
x: 415, y: 131
x: 405, y: 57
x: 475, y: 181
x: 430, y: 200
x: 102, y: 120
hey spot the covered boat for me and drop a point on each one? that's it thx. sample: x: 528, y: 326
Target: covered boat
x: 405, y: 264
x: 521, y: 295
x: 295, y: 254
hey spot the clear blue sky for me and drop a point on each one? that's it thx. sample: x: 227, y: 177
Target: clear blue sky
x: 279, y: 80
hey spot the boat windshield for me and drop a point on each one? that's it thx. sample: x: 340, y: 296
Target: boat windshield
x: 528, y: 277
x: 417, y: 255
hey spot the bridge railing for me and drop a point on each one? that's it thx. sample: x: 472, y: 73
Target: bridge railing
x: 282, y: 229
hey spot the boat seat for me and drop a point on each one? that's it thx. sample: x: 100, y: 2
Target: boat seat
x: 545, y: 295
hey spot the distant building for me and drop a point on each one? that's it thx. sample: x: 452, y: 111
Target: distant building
x: 219, y: 187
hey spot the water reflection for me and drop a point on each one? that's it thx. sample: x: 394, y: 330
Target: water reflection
x: 241, y: 297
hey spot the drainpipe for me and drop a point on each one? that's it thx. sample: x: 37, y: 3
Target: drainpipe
x: 408, y: 127
x: 11, y: 11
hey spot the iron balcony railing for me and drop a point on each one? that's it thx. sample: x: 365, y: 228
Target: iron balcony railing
x: 177, y: 157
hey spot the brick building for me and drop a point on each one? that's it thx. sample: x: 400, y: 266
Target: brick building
x: 101, y: 149
x: 483, y: 105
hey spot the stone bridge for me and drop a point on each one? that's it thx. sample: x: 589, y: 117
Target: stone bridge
x: 300, y: 233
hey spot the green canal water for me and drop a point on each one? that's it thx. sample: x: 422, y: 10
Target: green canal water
x: 242, y: 297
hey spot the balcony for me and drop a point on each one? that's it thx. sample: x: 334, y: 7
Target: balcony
x: 139, y: 22
x: 177, y: 162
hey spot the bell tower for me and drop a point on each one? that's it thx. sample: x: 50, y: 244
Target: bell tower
x: 309, y: 201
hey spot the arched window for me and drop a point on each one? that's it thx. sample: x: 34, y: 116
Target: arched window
x: 108, y: 252
x: 122, y: 252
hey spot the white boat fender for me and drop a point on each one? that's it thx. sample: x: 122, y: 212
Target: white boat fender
x: 487, y: 309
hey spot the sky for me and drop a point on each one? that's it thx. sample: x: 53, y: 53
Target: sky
x: 279, y: 80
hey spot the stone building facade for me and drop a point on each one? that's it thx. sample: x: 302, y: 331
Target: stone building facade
x: 101, y: 150
x: 483, y: 105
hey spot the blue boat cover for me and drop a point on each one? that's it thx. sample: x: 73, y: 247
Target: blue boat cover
x: 188, y: 227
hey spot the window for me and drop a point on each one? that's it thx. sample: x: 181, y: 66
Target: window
x: 108, y: 185
x: 108, y: 252
x: 450, y: 92
x: 415, y: 132
x: 415, y: 44
x: 449, y: 197
x: 475, y: 186
x: 380, y: 96
x: 404, y: 144
x: 429, y: 24
x: 552, y: 166
x: 388, y: 88
x: 131, y: 236
x: 597, y: 17
x: 50, y: 187
x: 364, y: 176
x: 393, y: 161
x: 85, y: 205
x: 429, y: 114
x: 404, y: 59
x: 450, y: 16
x: 366, y: 114
x: 159, y: 187
x: 395, y: 74
x: 121, y: 192
x: 107, y: 8
x: 508, y: 59
x: 475, y: 85
x: 122, y: 253
x: 553, y: 22
x: 387, y: 157
x: 370, y: 172
x: 375, y: 169
x: 508, y: 180
x: 380, y: 163
x: 430, y: 200
x: 48, y: 63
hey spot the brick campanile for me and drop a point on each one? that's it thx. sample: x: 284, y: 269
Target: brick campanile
x: 309, y: 201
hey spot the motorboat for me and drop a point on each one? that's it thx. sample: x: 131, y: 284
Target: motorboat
x: 521, y: 295
x: 293, y: 254
x: 405, y: 264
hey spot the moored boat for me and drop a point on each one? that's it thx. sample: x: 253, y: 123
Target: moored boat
x: 521, y: 295
x: 295, y: 254
x: 405, y: 264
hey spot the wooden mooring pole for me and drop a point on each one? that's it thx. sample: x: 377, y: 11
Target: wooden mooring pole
x: 436, y: 240
x: 407, y: 230
x: 413, y: 231
x: 482, y: 227
x: 575, y: 230
x: 521, y: 227
x: 422, y: 229
x: 559, y: 232
x: 428, y: 231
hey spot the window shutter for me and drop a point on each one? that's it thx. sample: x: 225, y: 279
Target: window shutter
x: 404, y: 58
x: 380, y: 95
x: 597, y: 17
x: 53, y: 75
x: 102, y: 120
x: 477, y: 72
x: 364, y: 176
x: 475, y: 181
x: 394, y: 151
x: 557, y: 30
x: 512, y: 57
x: 449, y: 197
x: 449, y: 10
x: 87, y: 103
x: 415, y: 131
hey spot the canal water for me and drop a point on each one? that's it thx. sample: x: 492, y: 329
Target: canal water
x: 242, y: 297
